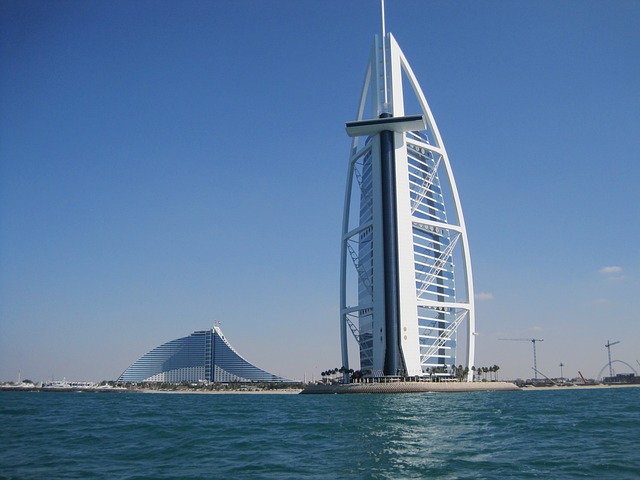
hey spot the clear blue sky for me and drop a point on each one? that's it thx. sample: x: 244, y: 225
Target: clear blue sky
x: 165, y: 164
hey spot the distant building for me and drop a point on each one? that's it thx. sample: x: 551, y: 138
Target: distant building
x: 202, y: 356
x: 622, y: 378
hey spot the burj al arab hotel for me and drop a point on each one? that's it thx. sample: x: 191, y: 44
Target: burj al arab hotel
x: 406, y: 294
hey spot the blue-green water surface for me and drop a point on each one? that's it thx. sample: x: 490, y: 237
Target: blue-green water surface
x: 574, y: 433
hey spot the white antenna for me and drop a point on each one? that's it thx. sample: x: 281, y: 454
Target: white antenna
x: 384, y: 58
x: 383, y: 29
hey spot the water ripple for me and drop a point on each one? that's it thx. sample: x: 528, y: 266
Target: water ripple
x: 482, y: 435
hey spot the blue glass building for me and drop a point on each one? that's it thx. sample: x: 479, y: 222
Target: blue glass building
x: 202, y: 356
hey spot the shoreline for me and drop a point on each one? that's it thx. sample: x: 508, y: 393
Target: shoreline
x: 283, y: 391
x: 453, y: 387
x: 353, y: 388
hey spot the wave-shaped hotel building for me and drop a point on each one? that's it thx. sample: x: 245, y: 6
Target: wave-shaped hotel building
x: 406, y: 282
x: 204, y: 355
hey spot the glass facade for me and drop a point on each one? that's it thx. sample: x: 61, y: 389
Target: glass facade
x: 365, y: 261
x: 202, y: 356
x: 432, y: 254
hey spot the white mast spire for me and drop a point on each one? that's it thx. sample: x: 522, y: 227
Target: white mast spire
x: 385, y: 106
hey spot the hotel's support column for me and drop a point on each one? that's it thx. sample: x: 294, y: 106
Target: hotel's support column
x: 386, y: 224
x: 390, y: 235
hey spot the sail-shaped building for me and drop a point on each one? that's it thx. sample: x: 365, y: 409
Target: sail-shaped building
x: 205, y: 356
x: 406, y: 296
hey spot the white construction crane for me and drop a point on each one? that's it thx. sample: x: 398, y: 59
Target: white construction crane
x: 533, y: 341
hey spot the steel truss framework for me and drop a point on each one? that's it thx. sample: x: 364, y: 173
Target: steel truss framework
x: 434, y: 278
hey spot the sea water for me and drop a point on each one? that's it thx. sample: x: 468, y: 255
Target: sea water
x: 573, y: 433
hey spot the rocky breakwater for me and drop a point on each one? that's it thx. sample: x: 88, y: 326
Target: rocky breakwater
x: 409, y: 387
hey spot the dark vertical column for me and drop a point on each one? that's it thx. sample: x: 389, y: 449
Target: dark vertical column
x: 440, y: 316
x: 389, y: 225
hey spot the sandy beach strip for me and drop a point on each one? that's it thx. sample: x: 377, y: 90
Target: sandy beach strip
x: 283, y: 391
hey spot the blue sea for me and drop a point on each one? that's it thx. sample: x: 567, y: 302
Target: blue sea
x: 576, y: 433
